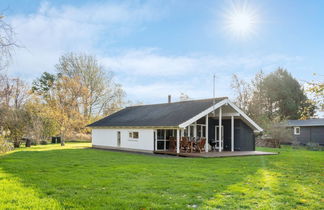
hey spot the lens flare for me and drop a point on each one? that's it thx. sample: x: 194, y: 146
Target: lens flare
x: 240, y: 20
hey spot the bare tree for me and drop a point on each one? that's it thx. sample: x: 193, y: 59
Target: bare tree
x: 98, y: 92
x: 243, y: 92
x: 7, y: 42
x: 13, y: 91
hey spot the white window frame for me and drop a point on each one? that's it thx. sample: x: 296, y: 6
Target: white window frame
x: 131, y: 135
x: 295, y: 130
x: 164, y: 140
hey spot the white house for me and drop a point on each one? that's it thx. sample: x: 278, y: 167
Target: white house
x: 149, y: 128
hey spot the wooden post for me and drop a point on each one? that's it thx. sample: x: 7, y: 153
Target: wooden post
x: 232, y: 133
x: 178, y: 141
x: 155, y: 139
x: 220, y: 129
x: 206, y: 145
x: 189, y: 131
x: 195, y: 131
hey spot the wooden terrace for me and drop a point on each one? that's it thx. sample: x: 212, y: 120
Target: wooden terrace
x: 214, y: 154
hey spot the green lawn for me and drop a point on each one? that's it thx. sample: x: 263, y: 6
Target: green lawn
x: 56, y: 177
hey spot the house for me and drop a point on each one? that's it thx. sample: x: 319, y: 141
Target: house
x: 306, y: 131
x: 148, y: 128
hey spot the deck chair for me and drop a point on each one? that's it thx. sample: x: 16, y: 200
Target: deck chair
x: 185, y: 144
x: 200, y: 146
x: 172, y: 144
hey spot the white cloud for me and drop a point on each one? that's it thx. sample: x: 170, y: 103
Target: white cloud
x: 146, y: 74
x: 52, y: 31
x: 150, y: 76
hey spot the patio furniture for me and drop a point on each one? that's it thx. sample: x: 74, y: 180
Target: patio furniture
x: 172, y: 144
x: 200, y: 146
x: 192, y: 144
x: 185, y: 144
x: 213, y: 144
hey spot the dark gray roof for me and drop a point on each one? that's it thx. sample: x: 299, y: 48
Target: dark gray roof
x: 166, y: 114
x: 310, y: 122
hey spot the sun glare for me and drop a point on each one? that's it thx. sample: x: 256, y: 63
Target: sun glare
x: 240, y: 20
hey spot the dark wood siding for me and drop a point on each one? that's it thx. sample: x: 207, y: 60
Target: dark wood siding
x: 244, y: 139
x: 310, y: 134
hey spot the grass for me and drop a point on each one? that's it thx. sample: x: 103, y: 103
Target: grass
x: 55, y: 177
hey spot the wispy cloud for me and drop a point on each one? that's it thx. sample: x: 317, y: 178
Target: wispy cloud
x: 147, y: 74
x: 52, y: 31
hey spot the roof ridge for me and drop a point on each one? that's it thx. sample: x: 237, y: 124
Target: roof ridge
x: 205, y: 99
x: 308, y: 119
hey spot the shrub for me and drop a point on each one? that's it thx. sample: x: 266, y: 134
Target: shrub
x: 43, y: 142
x: 279, y: 134
x: 5, y: 146
x: 313, y: 146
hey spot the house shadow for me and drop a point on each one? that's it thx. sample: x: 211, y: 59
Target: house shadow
x: 84, y: 178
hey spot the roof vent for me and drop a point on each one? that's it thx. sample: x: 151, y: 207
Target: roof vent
x: 169, y: 99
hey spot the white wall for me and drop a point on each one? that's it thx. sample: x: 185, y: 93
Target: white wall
x: 108, y: 137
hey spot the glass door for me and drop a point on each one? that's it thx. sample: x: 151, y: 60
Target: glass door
x: 217, y: 137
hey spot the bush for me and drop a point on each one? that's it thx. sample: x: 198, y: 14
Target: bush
x: 313, y: 146
x: 43, y: 142
x: 279, y: 134
x: 5, y: 146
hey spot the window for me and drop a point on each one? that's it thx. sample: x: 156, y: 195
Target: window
x: 297, y: 130
x: 163, y: 138
x: 133, y: 135
x: 192, y: 130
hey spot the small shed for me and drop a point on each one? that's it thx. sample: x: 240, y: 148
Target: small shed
x: 306, y: 131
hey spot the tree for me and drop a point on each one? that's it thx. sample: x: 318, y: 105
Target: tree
x: 276, y: 96
x: 79, y: 93
x: 44, y: 86
x: 16, y: 122
x: 284, y: 95
x: 43, y: 123
x: 316, y: 88
x: 13, y: 92
x: 307, y: 109
x: 242, y: 92
x: 7, y: 42
x: 98, y: 91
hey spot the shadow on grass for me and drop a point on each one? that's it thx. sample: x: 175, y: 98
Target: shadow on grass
x: 79, y: 178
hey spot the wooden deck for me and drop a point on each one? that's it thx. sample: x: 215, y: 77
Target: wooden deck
x: 216, y: 154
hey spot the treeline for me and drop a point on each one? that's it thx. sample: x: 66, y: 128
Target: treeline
x: 276, y: 97
x: 59, y: 104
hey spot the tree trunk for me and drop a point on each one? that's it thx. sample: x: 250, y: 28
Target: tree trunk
x: 62, y: 141
x: 28, y: 142
x: 16, y: 143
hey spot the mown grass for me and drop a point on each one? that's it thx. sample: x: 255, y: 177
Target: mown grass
x: 55, y: 177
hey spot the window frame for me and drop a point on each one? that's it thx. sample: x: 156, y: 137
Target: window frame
x: 132, y: 137
x: 295, y: 130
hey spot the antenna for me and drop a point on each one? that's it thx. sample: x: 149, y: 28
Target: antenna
x: 214, y: 76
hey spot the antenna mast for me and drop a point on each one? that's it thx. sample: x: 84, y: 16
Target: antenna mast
x: 214, y: 94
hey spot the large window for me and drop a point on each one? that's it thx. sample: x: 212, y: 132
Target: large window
x: 201, y: 130
x: 192, y: 130
x: 163, y: 138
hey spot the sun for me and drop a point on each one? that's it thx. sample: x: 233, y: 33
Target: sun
x: 241, y: 20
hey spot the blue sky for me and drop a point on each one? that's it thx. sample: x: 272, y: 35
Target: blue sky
x: 156, y: 48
